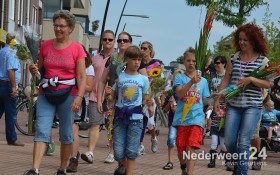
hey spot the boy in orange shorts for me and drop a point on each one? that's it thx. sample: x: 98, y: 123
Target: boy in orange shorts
x: 191, y: 89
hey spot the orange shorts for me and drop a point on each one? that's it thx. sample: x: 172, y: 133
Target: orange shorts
x: 188, y: 136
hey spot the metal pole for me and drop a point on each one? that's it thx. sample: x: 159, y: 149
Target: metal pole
x: 120, y: 18
x: 124, y: 26
x: 103, y: 24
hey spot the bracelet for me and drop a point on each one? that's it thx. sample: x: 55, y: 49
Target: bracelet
x: 80, y: 96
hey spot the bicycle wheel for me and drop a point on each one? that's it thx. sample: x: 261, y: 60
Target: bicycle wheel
x: 22, y: 118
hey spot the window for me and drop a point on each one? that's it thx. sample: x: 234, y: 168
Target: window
x: 20, y: 12
x: 12, y: 9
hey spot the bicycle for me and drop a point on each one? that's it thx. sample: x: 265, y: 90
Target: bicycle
x: 22, y: 112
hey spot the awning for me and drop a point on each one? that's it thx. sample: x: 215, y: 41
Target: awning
x: 3, y: 34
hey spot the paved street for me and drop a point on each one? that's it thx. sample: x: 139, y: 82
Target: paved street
x: 15, y: 160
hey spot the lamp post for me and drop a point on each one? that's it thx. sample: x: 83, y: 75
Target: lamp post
x: 140, y: 16
x: 103, y: 24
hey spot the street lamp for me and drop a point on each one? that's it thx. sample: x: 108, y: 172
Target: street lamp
x: 140, y: 16
x: 136, y: 35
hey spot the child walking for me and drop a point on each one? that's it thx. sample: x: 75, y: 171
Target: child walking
x: 131, y: 91
x: 190, y: 89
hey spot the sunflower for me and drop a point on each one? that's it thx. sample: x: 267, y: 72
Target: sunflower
x: 155, y: 72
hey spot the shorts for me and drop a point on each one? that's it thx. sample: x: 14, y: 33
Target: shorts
x: 188, y: 136
x: 126, y: 139
x: 95, y: 118
x: 257, y: 131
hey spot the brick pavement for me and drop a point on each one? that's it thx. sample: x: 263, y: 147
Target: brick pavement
x: 15, y: 160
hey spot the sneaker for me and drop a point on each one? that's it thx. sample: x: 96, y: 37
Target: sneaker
x: 207, y: 134
x: 109, y: 159
x: 60, y: 171
x: 88, y: 157
x: 31, y: 172
x: 141, y: 150
x: 154, y: 146
x: 120, y: 170
x: 50, y: 149
x: 73, y: 165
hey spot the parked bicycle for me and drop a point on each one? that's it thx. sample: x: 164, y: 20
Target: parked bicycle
x: 22, y: 112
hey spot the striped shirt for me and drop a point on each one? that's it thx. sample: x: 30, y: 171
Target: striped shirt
x: 252, y: 97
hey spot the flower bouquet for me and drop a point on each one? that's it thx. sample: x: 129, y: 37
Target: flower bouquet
x: 158, y: 80
x: 268, y: 71
x: 201, y: 52
x: 26, y: 46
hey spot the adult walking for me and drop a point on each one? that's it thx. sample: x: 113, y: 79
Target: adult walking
x: 148, y: 63
x: 244, y: 110
x: 62, y: 61
x: 96, y: 118
x: 9, y: 79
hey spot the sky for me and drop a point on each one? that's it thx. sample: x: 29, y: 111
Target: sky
x: 172, y: 26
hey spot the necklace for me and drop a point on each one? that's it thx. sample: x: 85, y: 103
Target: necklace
x: 241, y: 69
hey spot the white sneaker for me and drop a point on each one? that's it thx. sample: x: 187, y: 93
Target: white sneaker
x: 154, y: 146
x: 109, y: 159
x: 141, y: 150
x: 87, y: 156
x: 207, y: 134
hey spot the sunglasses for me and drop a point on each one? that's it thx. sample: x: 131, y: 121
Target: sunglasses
x: 55, y: 26
x: 144, y: 48
x: 107, y: 39
x: 217, y: 63
x: 123, y: 40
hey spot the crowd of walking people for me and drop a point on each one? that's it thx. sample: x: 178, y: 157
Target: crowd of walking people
x: 114, y: 85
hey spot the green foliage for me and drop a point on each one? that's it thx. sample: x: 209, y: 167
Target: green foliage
x: 95, y: 25
x: 231, y: 12
x: 179, y: 60
x: 272, y: 33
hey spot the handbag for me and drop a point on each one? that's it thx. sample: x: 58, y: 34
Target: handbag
x: 57, y: 97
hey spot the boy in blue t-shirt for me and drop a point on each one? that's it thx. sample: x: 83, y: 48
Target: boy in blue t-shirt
x: 190, y: 89
x: 131, y: 90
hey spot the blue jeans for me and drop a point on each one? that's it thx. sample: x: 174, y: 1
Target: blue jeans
x: 239, y: 128
x: 172, y: 132
x: 45, y: 114
x: 8, y: 105
x: 126, y: 139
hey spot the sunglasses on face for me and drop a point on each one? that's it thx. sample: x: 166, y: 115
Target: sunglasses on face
x: 217, y: 63
x: 144, y: 48
x: 107, y: 39
x: 123, y: 40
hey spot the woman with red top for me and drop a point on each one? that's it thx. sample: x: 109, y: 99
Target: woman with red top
x: 62, y: 61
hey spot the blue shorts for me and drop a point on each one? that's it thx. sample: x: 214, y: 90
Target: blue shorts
x: 45, y: 114
x: 126, y: 139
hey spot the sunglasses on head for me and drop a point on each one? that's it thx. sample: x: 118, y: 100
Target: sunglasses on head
x: 144, y: 48
x: 123, y: 40
x: 217, y: 62
x: 107, y: 39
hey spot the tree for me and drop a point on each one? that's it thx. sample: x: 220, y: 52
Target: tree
x: 272, y: 34
x: 95, y: 26
x: 231, y: 12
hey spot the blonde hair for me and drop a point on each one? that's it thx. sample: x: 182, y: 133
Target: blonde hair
x: 269, y: 102
x: 151, y: 48
x: 190, y: 50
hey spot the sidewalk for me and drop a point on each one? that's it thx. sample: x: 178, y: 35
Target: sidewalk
x: 16, y: 160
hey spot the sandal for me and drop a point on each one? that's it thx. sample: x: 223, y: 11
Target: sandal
x: 168, y: 166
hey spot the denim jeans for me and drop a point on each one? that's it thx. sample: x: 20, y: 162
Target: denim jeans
x: 8, y: 105
x: 45, y: 114
x: 126, y: 139
x: 239, y: 128
x: 172, y: 132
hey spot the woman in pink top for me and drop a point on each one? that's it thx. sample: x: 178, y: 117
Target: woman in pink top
x: 62, y: 61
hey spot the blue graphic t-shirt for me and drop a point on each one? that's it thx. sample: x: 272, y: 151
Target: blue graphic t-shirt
x: 196, y: 115
x: 130, y: 89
